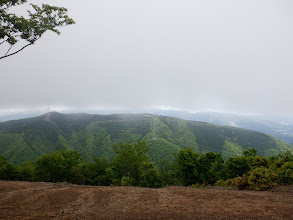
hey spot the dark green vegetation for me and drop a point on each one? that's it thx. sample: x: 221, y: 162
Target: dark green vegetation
x: 26, y: 139
x: 248, y: 171
x: 251, y: 171
x: 131, y: 165
x: 280, y: 127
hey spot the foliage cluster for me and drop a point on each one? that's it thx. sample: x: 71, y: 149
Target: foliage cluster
x: 260, y: 173
x: 131, y: 166
x: 14, y: 28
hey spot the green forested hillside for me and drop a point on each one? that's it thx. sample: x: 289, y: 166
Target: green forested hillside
x: 26, y: 139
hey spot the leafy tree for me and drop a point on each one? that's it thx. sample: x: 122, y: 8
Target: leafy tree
x: 237, y: 166
x: 27, y: 171
x: 8, y: 171
x: 2, y: 160
x: 95, y: 173
x: 210, y: 167
x: 15, y: 28
x: 80, y: 171
x: 57, y: 166
x: 150, y: 176
x: 287, y: 156
x: 273, y: 159
x: 193, y: 168
x: 167, y: 172
x: 250, y: 152
x: 187, y: 163
x: 128, y: 161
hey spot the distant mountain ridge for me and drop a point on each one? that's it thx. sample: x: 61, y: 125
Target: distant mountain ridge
x: 279, y: 127
x: 26, y: 139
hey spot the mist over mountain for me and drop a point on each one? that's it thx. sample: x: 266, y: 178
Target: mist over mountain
x: 277, y: 125
x: 26, y: 139
x: 20, y: 115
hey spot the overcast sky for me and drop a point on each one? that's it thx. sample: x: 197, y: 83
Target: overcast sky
x: 212, y: 55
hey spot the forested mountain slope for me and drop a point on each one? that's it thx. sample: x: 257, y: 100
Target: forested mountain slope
x: 26, y: 139
x: 280, y: 126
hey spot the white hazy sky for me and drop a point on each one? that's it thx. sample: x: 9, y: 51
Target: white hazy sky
x: 219, y: 55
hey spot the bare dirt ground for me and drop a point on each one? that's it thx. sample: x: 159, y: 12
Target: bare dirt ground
x: 22, y: 200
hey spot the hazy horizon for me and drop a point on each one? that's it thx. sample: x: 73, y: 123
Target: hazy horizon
x: 189, y: 55
x: 45, y: 110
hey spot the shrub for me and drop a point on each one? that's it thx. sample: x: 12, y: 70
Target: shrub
x: 241, y: 182
x: 238, y: 182
x: 262, y: 178
x: 230, y: 182
x: 198, y: 186
x: 259, y: 161
x: 9, y: 171
x: 237, y: 166
x: 285, y: 173
x: 150, y: 176
x: 222, y: 183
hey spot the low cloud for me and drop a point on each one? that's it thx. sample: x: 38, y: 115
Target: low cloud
x: 193, y: 55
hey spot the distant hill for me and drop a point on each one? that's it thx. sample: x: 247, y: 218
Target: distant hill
x: 26, y: 139
x: 279, y: 126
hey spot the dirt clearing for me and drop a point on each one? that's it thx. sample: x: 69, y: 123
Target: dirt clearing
x: 22, y: 200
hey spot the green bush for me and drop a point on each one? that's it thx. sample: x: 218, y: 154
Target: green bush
x: 241, y: 182
x: 285, y: 173
x: 150, y: 176
x: 262, y: 178
x: 27, y: 171
x: 259, y: 161
x: 237, y: 166
x: 230, y: 182
x: 9, y: 171
x: 222, y: 183
x: 198, y: 186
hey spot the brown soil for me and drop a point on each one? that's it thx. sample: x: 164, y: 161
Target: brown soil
x: 22, y: 200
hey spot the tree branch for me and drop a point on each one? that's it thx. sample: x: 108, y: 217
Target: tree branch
x: 16, y: 51
x: 3, y: 41
x: 9, y: 49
